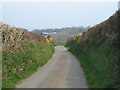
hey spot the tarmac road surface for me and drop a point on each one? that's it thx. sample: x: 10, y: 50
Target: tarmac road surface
x: 63, y: 70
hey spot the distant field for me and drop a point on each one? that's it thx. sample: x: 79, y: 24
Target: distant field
x: 59, y: 43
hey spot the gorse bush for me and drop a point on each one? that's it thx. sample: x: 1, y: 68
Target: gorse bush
x: 77, y: 36
x: 48, y: 39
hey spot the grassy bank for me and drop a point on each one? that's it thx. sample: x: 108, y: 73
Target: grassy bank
x: 99, y: 59
x: 26, y: 60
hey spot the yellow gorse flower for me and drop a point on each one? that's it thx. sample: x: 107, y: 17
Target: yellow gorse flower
x: 48, y: 39
x: 77, y: 36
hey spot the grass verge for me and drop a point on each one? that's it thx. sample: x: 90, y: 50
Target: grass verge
x: 24, y: 62
x: 99, y: 59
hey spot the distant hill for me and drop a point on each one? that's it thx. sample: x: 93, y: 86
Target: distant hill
x: 62, y: 34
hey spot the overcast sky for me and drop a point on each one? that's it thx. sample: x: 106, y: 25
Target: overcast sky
x: 41, y: 15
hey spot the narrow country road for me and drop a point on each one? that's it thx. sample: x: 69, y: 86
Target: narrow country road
x: 62, y: 71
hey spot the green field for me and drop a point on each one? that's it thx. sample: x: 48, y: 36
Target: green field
x: 59, y: 43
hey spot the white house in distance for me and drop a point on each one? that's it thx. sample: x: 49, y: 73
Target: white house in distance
x: 46, y: 33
